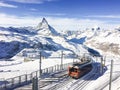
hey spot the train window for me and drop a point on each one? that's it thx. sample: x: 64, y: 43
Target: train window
x: 73, y: 70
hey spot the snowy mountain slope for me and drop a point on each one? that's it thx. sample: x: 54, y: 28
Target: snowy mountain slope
x: 12, y: 42
x: 106, y: 41
x: 80, y: 34
x: 42, y: 37
x: 7, y: 45
x: 9, y: 49
x: 21, y: 44
x: 15, y: 39
x: 70, y: 46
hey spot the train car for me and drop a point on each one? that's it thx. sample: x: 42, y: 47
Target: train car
x: 77, y: 70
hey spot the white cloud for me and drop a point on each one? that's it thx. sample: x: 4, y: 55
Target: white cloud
x: 105, y: 16
x: 53, y: 14
x: 33, y: 9
x: 72, y: 23
x: 57, y: 23
x: 2, y: 4
x: 9, y: 20
x: 31, y: 1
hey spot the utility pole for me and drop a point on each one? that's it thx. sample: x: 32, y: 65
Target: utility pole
x: 74, y: 56
x: 40, y: 65
x: 35, y: 83
x: 84, y: 57
x: 73, y: 59
x: 104, y: 60
x: 102, y: 64
x: 61, y: 60
x: 111, y: 70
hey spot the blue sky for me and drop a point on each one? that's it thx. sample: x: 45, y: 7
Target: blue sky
x: 75, y: 13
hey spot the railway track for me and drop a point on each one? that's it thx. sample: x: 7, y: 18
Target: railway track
x: 53, y: 81
x: 60, y: 84
x: 46, y: 81
x: 61, y: 80
x: 81, y: 83
x: 63, y: 85
x: 105, y: 84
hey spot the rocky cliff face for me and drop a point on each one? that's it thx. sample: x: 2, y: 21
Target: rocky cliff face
x: 45, y: 29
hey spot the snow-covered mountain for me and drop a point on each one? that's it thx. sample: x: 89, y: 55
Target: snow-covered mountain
x: 45, y: 29
x: 107, y: 41
x: 104, y: 41
x: 14, y: 41
x: 44, y: 37
x: 23, y: 44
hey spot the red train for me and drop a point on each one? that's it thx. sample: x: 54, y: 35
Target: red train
x: 77, y: 70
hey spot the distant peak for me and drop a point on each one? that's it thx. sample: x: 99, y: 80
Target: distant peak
x: 43, y: 24
x: 44, y: 21
x: 45, y: 29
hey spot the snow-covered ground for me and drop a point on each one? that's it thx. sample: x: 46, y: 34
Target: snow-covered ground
x: 105, y: 78
x: 17, y: 42
x: 16, y: 68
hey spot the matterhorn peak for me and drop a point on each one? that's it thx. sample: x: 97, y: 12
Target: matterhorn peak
x: 45, y: 29
x: 44, y: 21
x: 43, y: 24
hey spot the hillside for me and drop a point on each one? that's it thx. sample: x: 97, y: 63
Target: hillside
x: 20, y: 51
x: 25, y: 40
x: 105, y: 41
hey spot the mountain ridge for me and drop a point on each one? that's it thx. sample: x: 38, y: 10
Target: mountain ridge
x: 44, y: 28
x: 44, y: 38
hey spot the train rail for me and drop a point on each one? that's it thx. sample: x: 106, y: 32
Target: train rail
x: 53, y: 80
x: 81, y: 83
x: 61, y: 85
x: 61, y: 81
x: 106, y: 83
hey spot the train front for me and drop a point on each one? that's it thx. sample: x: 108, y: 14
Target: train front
x: 74, y: 71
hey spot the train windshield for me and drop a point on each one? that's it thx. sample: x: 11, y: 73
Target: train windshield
x: 73, y: 70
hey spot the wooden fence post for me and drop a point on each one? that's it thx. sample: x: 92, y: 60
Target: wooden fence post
x: 36, y: 73
x: 31, y: 76
x: 52, y: 69
x: 12, y: 81
x: 47, y: 70
x: 19, y: 79
x: 5, y: 85
x: 57, y: 67
x: 26, y: 78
